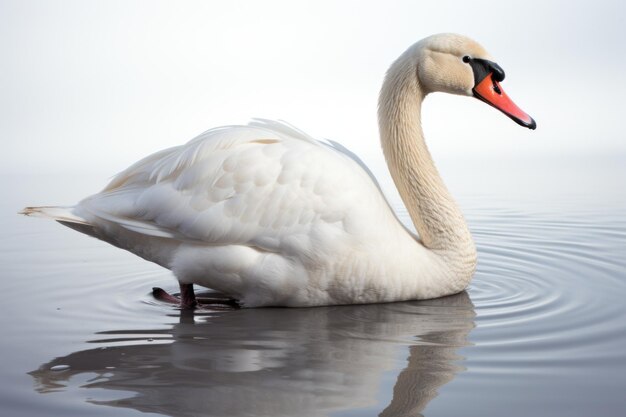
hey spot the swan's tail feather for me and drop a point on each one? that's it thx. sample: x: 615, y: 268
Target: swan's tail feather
x: 63, y: 215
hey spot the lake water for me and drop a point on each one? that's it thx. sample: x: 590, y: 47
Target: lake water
x: 540, y: 332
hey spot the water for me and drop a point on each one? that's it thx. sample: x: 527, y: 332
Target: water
x: 539, y: 332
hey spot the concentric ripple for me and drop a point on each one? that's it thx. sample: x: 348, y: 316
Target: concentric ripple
x: 548, y: 291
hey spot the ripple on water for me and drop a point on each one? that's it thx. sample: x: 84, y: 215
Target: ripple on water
x: 548, y: 291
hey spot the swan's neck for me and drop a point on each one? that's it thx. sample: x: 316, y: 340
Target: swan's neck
x: 436, y: 216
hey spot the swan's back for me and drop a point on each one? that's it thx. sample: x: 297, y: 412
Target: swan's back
x: 236, y: 184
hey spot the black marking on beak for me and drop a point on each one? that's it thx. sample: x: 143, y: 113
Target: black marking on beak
x: 484, y: 67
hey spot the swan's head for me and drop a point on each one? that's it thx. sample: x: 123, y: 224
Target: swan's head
x: 456, y: 64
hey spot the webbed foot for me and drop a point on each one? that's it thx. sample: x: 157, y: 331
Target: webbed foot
x: 188, y: 301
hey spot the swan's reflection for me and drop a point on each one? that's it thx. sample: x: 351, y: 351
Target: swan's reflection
x: 280, y: 362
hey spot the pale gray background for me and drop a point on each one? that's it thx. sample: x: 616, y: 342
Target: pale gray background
x: 96, y: 85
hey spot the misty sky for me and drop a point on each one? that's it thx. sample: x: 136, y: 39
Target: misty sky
x: 96, y: 85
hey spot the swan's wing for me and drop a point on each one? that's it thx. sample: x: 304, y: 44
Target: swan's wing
x: 290, y: 130
x: 260, y: 185
x: 347, y: 152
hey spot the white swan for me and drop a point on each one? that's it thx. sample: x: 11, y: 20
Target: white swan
x: 270, y: 216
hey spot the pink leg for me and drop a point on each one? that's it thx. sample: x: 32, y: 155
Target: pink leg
x: 187, y: 297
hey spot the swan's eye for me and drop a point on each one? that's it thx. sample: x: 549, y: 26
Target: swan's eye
x: 466, y: 59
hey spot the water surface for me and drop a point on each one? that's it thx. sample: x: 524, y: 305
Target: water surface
x: 539, y: 332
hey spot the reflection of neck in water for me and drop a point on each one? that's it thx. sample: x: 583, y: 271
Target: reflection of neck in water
x: 274, y: 362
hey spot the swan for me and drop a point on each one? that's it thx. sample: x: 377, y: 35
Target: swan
x: 272, y: 217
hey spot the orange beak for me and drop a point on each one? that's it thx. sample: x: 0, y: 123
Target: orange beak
x: 490, y: 91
